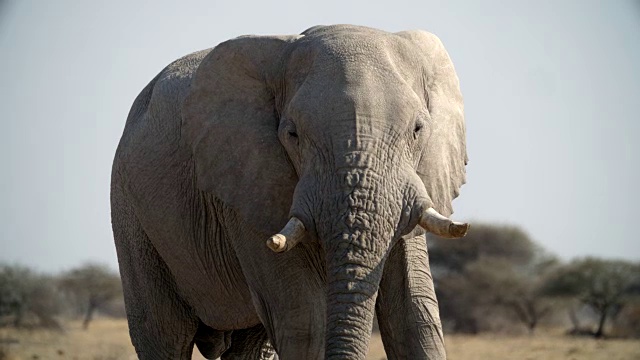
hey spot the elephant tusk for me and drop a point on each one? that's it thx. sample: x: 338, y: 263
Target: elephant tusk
x: 290, y: 236
x: 436, y: 223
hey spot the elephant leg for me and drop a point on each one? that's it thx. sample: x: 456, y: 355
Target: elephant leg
x: 249, y: 344
x: 161, y: 325
x: 289, y: 295
x: 407, y: 308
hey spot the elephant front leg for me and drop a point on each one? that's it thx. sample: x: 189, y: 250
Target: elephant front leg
x: 161, y: 325
x: 407, y: 308
x: 289, y: 296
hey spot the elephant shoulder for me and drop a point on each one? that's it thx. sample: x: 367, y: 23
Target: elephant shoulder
x: 420, y: 37
x: 168, y: 87
x: 153, y: 125
x: 173, y: 83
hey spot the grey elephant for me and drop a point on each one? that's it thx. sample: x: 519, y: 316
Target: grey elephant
x: 272, y: 193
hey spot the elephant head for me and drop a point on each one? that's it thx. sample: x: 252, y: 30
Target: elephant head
x: 348, y: 135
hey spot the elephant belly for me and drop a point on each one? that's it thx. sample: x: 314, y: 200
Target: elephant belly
x: 207, y: 272
x: 219, y: 303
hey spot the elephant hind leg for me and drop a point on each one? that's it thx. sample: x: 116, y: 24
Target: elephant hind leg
x: 161, y: 324
x: 249, y: 344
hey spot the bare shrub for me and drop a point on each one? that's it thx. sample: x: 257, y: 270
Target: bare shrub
x: 91, y: 287
x: 28, y: 299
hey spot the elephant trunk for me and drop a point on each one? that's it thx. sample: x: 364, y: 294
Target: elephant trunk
x: 356, y: 244
x: 352, y: 290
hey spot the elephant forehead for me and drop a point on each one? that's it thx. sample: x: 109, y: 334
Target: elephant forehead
x: 359, y: 49
x: 347, y: 72
x: 322, y: 98
x: 344, y: 41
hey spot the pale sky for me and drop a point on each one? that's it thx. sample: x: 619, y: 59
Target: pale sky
x: 551, y: 90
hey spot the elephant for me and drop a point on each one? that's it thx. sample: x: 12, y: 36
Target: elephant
x: 271, y: 194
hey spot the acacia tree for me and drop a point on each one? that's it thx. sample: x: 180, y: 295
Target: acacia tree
x: 493, y: 267
x: 605, y: 286
x: 516, y: 289
x: 509, y: 243
x: 91, y: 286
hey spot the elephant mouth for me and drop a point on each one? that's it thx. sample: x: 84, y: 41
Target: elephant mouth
x: 431, y: 220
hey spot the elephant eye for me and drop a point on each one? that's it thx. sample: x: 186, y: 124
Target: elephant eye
x: 417, y: 128
x: 288, y: 130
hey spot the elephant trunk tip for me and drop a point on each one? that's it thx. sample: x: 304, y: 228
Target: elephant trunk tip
x: 288, y: 237
x: 440, y: 225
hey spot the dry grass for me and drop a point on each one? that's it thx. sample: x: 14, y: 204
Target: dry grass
x: 104, y: 340
x: 109, y: 340
x: 548, y: 345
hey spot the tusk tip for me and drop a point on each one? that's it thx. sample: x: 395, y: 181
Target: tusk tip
x: 292, y: 233
x: 458, y: 230
x: 277, y: 243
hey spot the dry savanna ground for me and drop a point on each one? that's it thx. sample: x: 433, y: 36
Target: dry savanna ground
x: 108, y: 340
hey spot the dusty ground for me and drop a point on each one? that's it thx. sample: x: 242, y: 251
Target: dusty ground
x: 109, y: 340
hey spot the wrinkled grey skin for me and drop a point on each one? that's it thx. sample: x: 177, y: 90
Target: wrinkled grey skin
x: 352, y: 130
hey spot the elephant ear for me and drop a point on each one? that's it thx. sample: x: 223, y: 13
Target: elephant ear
x: 444, y: 155
x: 231, y: 123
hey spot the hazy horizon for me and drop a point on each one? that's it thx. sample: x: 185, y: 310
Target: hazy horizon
x: 550, y: 93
